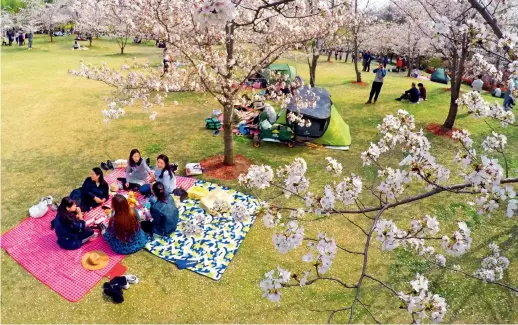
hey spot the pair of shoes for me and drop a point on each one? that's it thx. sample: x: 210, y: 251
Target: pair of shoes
x: 113, y: 289
x: 174, y: 167
x: 48, y: 200
x: 107, y: 165
x: 368, y: 102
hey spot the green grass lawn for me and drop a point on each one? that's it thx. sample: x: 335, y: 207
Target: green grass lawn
x: 53, y: 134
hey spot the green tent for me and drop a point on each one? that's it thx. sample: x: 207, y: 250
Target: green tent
x: 327, y: 126
x: 439, y: 76
x: 281, y: 68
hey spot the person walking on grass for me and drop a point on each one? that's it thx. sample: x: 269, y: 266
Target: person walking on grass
x: 380, y: 73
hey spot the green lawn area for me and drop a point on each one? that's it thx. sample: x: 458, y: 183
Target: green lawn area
x: 53, y: 134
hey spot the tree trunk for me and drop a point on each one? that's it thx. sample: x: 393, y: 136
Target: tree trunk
x: 227, y: 134
x: 51, y: 34
x: 358, y: 73
x: 90, y: 39
x: 329, y: 56
x: 122, y: 49
x: 312, y: 70
x: 456, y: 80
x: 346, y: 56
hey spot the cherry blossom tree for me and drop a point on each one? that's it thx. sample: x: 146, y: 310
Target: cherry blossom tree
x: 223, y: 43
x: 356, y: 26
x: 458, y: 31
x: 46, y: 16
x: 90, y: 17
x: 477, y: 175
x: 417, y: 177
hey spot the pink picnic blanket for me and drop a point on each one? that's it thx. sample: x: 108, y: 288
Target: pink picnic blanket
x: 34, y: 246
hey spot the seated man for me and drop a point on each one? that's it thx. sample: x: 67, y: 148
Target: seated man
x: 414, y: 73
x: 412, y: 95
x: 497, y: 92
x: 76, y: 45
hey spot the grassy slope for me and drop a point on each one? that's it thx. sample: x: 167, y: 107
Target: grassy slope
x: 52, y: 134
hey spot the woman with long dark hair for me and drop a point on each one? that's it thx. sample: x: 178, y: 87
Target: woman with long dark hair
x: 137, y: 172
x: 124, y: 234
x: 94, y: 192
x: 163, y: 211
x: 164, y: 174
x: 70, y: 228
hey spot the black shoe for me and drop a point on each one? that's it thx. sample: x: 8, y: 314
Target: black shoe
x: 109, y: 164
x: 174, y: 167
x: 104, y: 166
x: 398, y: 99
x: 148, y: 161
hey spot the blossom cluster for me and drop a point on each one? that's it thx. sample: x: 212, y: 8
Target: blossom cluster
x: 422, y: 303
x: 493, y: 266
x: 482, y: 109
x: 273, y: 281
x: 322, y: 253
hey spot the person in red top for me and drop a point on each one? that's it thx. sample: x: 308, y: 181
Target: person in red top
x: 399, y: 64
x: 422, y: 91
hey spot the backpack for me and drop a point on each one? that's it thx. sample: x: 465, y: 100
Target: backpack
x: 212, y: 123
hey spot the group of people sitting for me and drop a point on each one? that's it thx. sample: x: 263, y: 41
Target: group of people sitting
x: 414, y: 95
x: 126, y: 232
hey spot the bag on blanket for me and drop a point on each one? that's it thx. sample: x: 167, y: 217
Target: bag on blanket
x: 212, y: 123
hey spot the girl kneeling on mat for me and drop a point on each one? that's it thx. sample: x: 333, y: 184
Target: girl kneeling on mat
x: 124, y: 233
x: 164, y: 174
x: 137, y: 172
x: 70, y: 228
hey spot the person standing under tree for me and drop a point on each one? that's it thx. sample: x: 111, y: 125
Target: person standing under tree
x: 380, y: 74
x: 29, y: 40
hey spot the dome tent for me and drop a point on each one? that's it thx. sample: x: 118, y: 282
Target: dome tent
x: 327, y: 126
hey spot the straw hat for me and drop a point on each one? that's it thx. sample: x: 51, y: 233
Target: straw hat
x: 95, y: 260
x: 114, y: 188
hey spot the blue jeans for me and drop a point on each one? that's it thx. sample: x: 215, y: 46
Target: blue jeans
x: 30, y: 43
x: 508, y: 100
x: 145, y: 189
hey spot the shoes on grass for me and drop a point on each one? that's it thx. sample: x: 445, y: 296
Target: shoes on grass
x: 131, y: 278
x: 104, y: 166
x: 109, y: 164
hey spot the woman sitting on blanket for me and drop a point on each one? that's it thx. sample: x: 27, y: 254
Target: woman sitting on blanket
x: 70, y: 228
x: 164, y: 174
x: 94, y: 192
x: 124, y: 233
x: 163, y: 211
x: 137, y: 172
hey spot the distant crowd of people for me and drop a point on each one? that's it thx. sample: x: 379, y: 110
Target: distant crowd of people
x: 19, y: 37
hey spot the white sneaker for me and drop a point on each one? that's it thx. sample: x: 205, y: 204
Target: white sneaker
x: 131, y: 278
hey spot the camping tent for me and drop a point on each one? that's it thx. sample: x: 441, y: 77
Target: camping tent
x: 440, y: 76
x: 327, y: 126
x: 281, y: 68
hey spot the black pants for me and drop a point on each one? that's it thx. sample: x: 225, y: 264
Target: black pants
x: 375, y: 90
x: 147, y: 226
x: 132, y: 186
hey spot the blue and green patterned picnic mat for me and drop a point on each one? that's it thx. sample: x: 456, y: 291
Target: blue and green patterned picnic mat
x: 215, y: 247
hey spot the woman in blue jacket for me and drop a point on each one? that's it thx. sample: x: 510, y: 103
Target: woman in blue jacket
x: 70, y: 228
x: 94, y: 192
x: 163, y: 211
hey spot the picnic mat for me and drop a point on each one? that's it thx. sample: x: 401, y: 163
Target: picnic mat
x: 216, y: 246
x: 34, y: 246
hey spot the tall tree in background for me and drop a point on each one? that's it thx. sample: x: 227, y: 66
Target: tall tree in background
x: 223, y: 42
